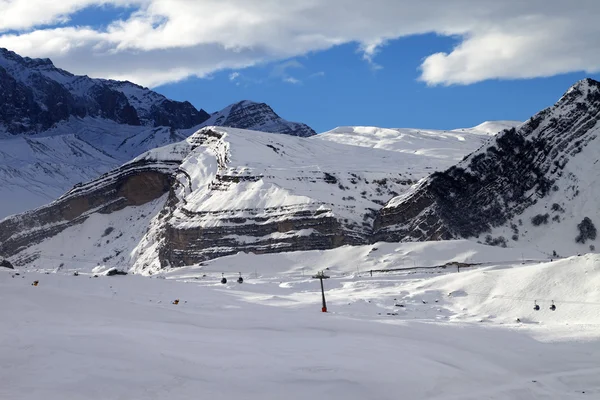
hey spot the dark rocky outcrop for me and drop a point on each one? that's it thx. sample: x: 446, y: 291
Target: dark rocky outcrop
x: 115, y: 272
x: 258, y: 117
x: 35, y: 95
x: 189, y: 246
x: 499, y: 181
x: 6, y: 264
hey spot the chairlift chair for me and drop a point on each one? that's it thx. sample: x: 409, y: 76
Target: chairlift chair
x: 536, y: 307
x: 240, y: 279
x: 553, y: 307
x: 223, y: 279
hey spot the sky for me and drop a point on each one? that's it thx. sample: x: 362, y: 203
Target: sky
x: 392, y: 63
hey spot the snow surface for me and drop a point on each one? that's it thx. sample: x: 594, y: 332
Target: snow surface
x: 441, y: 148
x: 421, y: 334
x: 491, y: 127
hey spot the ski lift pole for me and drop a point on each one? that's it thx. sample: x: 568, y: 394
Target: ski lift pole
x: 320, y: 276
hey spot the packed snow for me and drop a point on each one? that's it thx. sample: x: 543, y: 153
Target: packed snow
x: 427, y: 333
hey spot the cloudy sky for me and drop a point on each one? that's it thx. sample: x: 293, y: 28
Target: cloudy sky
x: 426, y: 63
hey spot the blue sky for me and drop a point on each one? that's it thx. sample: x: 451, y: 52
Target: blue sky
x: 337, y: 87
x: 390, y: 63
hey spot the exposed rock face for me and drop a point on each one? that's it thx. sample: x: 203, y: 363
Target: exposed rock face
x: 133, y: 184
x: 35, y: 95
x: 190, y: 246
x: 258, y: 117
x: 500, y: 183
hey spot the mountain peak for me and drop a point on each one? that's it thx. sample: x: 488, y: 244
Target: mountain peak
x: 587, y: 82
x: 25, y: 61
x: 580, y: 89
x: 251, y: 115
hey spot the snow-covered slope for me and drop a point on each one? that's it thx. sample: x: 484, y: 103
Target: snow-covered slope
x: 490, y: 127
x: 234, y: 190
x: 429, y: 334
x: 58, y: 129
x: 257, y: 117
x: 443, y: 148
x: 534, y: 185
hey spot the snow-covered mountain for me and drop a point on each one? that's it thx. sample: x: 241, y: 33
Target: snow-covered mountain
x: 257, y: 117
x: 35, y: 96
x: 490, y: 127
x: 225, y: 190
x: 58, y: 129
x: 535, y: 185
x: 439, y: 146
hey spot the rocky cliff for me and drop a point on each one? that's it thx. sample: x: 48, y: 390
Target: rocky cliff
x: 518, y: 188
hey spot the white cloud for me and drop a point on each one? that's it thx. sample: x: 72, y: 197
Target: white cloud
x: 169, y: 40
x: 280, y: 71
x: 370, y: 50
x: 233, y: 76
x: 25, y: 14
x: 292, y: 80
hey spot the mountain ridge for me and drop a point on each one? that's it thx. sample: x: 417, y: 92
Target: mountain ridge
x: 38, y: 95
x: 515, y: 190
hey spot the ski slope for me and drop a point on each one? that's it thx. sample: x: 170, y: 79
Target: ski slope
x: 74, y: 337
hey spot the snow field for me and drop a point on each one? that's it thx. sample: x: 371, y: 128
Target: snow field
x: 76, y: 337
